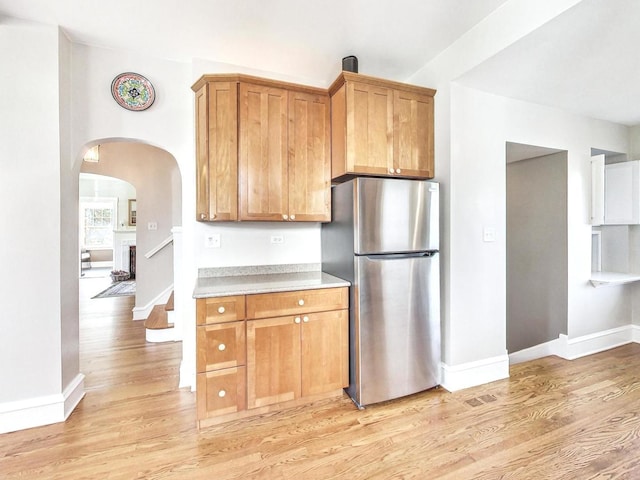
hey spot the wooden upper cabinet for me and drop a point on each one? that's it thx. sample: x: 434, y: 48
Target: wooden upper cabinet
x: 217, y: 152
x: 263, y: 152
x: 380, y: 128
x: 413, y: 134
x: 369, y: 129
x: 309, y: 153
x: 263, y: 145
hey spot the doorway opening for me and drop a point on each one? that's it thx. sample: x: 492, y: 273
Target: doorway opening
x: 537, y: 248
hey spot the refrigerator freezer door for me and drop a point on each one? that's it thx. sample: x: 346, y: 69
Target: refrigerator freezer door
x: 396, y: 348
x: 395, y: 215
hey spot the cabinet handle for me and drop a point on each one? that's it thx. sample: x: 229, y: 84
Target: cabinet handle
x: 305, y: 319
x: 285, y: 217
x: 296, y: 320
x: 301, y: 302
x: 391, y: 170
x: 213, y: 216
x: 397, y: 170
x: 222, y: 347
x: 221, y: 310
x: 203, y: 216
x: 222, y: 393
x: 292, y: 217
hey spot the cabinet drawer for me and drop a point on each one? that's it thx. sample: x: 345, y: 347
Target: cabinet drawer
x: 220, y: 346
x: 221, y: 392
x: 302, y: 301
x: 219, y: 309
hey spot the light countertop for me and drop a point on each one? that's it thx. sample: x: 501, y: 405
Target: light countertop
x: 263, y: 279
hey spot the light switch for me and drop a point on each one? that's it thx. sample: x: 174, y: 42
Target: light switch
x: 277, y: 239
x: 152, y: 226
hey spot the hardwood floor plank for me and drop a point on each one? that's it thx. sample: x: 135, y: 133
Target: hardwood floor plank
x: 552, y: 419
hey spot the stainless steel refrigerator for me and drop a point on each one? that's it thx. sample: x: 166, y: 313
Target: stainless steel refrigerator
x: 384, y: 239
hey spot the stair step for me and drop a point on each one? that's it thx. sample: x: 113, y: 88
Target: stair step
x: 157, y: 319
x: 169, y: 306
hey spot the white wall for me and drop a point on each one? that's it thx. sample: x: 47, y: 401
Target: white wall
x: 471, y: 130
x: 35, y: 365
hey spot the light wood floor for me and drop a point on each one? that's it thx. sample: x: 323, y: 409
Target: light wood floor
x: 553, y: 419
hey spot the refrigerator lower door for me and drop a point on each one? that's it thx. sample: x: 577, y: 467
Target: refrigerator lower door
x: 395, y: 326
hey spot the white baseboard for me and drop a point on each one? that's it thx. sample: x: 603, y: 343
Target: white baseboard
x: 187, y: 375
x: 537, y: 351
x: 142, y: 313
x: 39, y: 411
x: 572, y: 348
x: 458, y: 377
x: 159, y: 335
x: 102, y: 264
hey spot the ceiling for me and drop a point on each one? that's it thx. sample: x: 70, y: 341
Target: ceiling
x: 294, y: 37
x: 583, y: 61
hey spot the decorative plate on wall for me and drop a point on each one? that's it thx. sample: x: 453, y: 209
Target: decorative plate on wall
x: 133, y: 91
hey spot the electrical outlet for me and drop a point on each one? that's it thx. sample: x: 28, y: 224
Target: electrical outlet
x: 277, y: 239
x: 212, y: 240
x: 152, y: 226
x: 489, y: 234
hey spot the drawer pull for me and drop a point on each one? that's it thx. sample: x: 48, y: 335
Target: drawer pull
x: 301, y: 302
x: 285, y: 217
x: 305, y: 319
x: 222, y: 347
x: 221, y: 309
x: 292, y: 217
x: 398, y: 170
x: 222, y: 393
x: 296, y: 320
x: 391, y: 170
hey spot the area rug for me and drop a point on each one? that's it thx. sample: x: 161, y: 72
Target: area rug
x: 119, y: 289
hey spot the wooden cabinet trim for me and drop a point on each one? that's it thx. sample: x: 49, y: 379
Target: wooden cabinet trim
x: 345, y: 77
x: 267, y: 82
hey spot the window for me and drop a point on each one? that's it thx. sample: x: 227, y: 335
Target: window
x: 97, y: 222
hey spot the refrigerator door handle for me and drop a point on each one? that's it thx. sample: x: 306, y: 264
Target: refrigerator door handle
x: 399, y: 256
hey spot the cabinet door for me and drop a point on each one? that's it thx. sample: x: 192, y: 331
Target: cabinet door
x: 369, y: 129
x: 217, y: 152
x: 309, y: 158
x: 220, y: 345
x: 325, y: 352
x: 621, y: 193
x: 413, y: 135
x: 202, y: 154
x: 221, y: 392
x: 263, y: 153
x: 273, y: 361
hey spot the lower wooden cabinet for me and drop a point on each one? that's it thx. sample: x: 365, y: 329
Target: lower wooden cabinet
x: 221, y: 392
x: 290, y: 347
x: 324, y: 355
x: 273, y: 361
